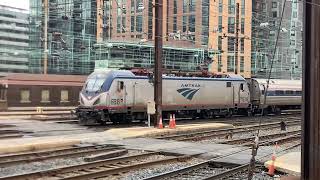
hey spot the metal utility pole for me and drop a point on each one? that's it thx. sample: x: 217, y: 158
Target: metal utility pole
x: 158, y: 60
x: 310, y: 154
x: 99, y: 21
x: 237, y: 39
x: 45, y: 60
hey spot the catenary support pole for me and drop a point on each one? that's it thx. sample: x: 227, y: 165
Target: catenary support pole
x: 310, y: 167
x: 45, y: 58
x: 158, y: 60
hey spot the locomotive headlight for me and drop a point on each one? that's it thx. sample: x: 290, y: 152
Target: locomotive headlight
x: 97, y: 102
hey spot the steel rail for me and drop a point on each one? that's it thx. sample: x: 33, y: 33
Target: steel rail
x: 168, y: 175
x: 221, y: 132
x: 106, y: 172
x: 268, y: 136
x: 228, y: 173
x: 60, y: 171
x: 230, y: 133
x: 242, y: 168
x: 8, y: 136
x: 9, y: 160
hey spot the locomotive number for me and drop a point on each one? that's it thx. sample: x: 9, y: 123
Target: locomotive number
x: 116, y: 101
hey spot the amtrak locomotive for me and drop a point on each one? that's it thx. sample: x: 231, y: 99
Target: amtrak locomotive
x: 120, y: 96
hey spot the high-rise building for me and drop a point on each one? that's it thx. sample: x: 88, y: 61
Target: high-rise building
x: 14, y: 39
x: 287, y: 62
x: 206, y: 28
x: 197, y: 34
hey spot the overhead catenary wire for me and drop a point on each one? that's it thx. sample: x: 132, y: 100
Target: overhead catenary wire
x: 254, y: 152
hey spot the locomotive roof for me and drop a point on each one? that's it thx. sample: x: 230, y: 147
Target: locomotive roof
x: 128, y: 74
x: 43, y: 79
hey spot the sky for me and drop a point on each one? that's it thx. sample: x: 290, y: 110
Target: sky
x: 24, y: 4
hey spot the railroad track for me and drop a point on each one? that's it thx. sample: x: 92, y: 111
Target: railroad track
x: 103, y: 168
x: 228, y: 132
x: 20, y: 158
x: 244, y: 120
x: 208, y: 170
x: 10, y: 133
x: 282, y: 136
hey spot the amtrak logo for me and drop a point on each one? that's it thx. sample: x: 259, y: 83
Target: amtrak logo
x: 188, y: 92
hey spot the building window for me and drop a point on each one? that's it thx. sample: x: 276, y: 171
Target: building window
x: 119, y: 24
x: 139, y: 6
x: 192, y: 23
x: 231, y: 25
x: 24, y: 96
x: 184, y: 23
x: 242, y: 25
x: 241, y: 64
x: 139, y: 23
x: 205, y: 22
x: 3, y: 93
x: 175, y: 24
x: 231, y: 44
x: 219, y: 63
x: 243, y: 7
x: 220, y: 43
x: 132, y: 7
x: 264, y: 7
x: 231, y: 6
x: 64, y: 96
x: 123, y: 27
x: 185, y: 6
x: 132, y: 23
x: 192, y: 6
x: 175, y: 7
x: 220, y: 24
x: 242, y: 45
x: 230, y: 64
x: 220, y: 6
x: 274, y: 14
x: 274, y: 4
x: 294, y: 14
x: 45, y: 96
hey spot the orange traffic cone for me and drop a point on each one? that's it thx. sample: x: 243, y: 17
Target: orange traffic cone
x: 271, y: 166
x: 174, y: 120
x: 171, y: 122
x: 160, y: 125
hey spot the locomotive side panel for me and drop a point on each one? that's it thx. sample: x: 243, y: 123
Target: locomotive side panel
x: 197, y: 94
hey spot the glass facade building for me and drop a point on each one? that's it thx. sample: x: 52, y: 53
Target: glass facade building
x: 14, y: 40
x: 71, y: 36
x: 287, y: 63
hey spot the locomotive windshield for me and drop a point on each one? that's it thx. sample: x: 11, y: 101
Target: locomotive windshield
x: 94, y: 83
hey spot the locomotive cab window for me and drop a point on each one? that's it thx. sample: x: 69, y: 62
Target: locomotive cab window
x: 120, y: 85
x: 241, y: 87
